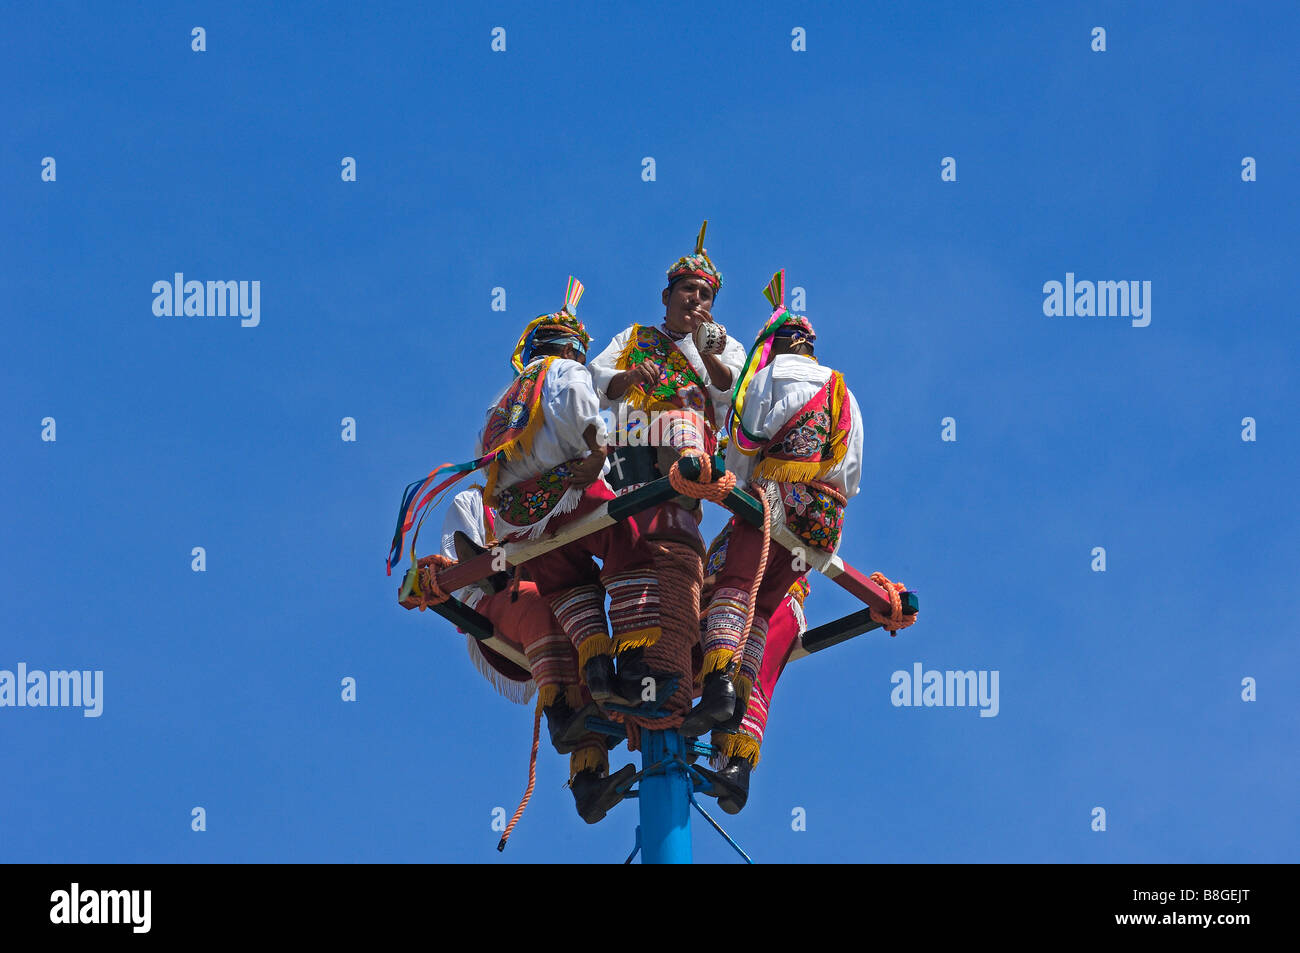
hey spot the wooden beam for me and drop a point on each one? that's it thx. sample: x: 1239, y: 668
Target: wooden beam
x: 480, y: 627
x: 841, y: 630
x: 517, y: 553
x: 742, y: 504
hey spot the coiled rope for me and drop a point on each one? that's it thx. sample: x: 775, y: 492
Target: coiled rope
x: 895, y: 620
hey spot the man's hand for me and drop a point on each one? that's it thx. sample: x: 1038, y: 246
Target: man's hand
x: 645, y: 375
x: 587, y: 471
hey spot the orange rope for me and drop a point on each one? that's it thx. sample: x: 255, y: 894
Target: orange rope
x: 426, y: 577
x: 758, y: 576
x: 532, y: 778
x: 895, y: 620
x: 702, y: 489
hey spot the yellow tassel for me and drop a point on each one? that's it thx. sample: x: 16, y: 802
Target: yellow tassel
x: 593, y: 646
x: 635, y: 395
x: 738, y: 745
x: 638, y: 639
x: 743, y: 687
x: 791, y: 471
x: 714, y: 660
x: 548, y: 695
x: 573, y: 696
x: 589, y: 758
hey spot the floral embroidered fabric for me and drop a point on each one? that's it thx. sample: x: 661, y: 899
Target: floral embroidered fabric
x: 525, y: 503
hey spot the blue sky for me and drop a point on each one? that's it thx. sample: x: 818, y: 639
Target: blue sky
x: 478, y: 170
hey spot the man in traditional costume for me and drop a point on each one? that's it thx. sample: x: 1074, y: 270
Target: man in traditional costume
x: 740, y: 738
x: 544, y: 449
x: 796, y: 438
x: 681, y: 370
x: 522, y: 618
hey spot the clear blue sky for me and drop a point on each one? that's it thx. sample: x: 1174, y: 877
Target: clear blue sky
x: 478, y: 169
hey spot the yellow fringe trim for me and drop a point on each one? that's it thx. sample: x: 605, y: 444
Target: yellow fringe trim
x: 520, y: 445
x: 791, y: 471
x: 795, y: 471
x: 548, y: 695
x: 738, y: 746
x: 635, y: 395
x: 593, y: 646
x: 743, y: 688
x: 714, y: 660
x: 638, y: 639
x: 590, y: 758
x: 573, y: 696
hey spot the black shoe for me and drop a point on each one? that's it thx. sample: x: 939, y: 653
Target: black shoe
x: 566, y: 726
x: 601, y: 681
x: 732, y: 724
x: 732, y: 785
x: 632, y: 670
x: 717, y: 703
x: 594, y: 796
x: 467, y: 549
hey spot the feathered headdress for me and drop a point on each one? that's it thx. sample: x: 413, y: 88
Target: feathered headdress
x: 781, y: 323
x: 562, y: 326
x: 698, y: 264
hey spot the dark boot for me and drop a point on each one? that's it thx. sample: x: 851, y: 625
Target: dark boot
x: 632, y: 669
x: 467, y: 549
x: 567, y: 726
x: 732, y: 785
x: 594, y: 795
x: 717, y: 703
x: 598, y: 674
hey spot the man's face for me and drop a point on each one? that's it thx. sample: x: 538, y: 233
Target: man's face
x: 689, y: 303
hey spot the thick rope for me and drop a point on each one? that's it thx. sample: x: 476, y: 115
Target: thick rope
x: 702, y: 489
x: 895, y: 620
x: 739, y: 653
x: 426, y: 578
x: 679, y: 570
x: 532, y: 778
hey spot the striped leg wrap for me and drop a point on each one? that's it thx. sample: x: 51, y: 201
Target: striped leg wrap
x: 581, y: 613
x: 679, y: 569
x: 682, y: 430
x: 555, y: 667
x: 752, y: 660
x: 633, y: 609
x: 724, y: 624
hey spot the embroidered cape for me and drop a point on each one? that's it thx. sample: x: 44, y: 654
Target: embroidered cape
x: 679, y: 386
x: 508, y: 434
x: 813, y: 441
x: 513, y: 422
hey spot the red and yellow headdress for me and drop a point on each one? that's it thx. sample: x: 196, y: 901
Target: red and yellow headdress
x: 699, y: 264
x: 781, y: 323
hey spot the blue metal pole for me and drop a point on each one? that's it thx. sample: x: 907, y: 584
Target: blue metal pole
x: 665, y: 799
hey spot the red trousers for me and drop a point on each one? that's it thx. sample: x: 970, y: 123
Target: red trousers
x: 729, y: 606
x: 569, y: 579
x: 528, y: 623
x: 782, y: 636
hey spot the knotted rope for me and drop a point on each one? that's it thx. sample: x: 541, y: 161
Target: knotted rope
x: 532, y: 778
x: 739, y: 653
x: 701, y: 489
x: 895, y: 620
x: 426, y: 578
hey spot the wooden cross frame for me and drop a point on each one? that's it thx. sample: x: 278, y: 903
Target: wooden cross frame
x: 739, y: 502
